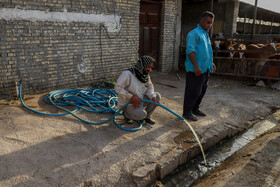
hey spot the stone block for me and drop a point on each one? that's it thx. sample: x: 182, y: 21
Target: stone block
x: 168, y: 163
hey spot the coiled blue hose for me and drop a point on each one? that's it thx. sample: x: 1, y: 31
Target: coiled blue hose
x: 97, y: 100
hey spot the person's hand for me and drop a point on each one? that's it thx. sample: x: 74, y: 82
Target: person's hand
x: 154, y: 99
x: 135, y: 101
x: 197, y: 71
x: 214, y: 67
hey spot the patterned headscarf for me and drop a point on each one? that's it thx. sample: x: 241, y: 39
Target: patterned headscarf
x: 138, y: 70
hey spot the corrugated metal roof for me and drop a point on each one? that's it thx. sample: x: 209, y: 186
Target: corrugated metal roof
x: 247, y: 10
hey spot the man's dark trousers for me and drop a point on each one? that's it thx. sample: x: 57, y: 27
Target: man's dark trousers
x: 195, y: 89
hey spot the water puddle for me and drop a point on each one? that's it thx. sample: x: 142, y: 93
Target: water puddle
x: 194, y: 169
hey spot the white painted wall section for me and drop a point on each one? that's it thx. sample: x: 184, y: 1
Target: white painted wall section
x: 112, y: 22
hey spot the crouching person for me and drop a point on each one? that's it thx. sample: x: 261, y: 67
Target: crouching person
x: 135, y: 84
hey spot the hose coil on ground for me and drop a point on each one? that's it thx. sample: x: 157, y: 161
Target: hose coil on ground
x: 98, y: 100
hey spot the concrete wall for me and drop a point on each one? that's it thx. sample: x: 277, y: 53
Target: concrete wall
x: 190, y: 16
x: 230, y: 18
x: 226, y: 13
x: 51, y: 44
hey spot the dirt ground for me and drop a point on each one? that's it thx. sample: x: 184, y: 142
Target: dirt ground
x: 38, y: 150
x: 256, y: 164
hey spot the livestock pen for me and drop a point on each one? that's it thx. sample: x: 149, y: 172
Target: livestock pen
x: 261, y: 62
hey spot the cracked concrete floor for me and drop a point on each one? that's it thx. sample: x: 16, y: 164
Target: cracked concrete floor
x: 41, y: 150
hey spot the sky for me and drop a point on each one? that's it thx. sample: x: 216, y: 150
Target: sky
x: 273, y: 5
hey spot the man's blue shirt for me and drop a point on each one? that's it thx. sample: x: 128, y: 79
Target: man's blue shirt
x: 198, y: 41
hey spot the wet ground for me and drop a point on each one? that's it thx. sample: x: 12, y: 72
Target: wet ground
x: 39, y: 150
x: 261, y: 172
x: 257, y: 164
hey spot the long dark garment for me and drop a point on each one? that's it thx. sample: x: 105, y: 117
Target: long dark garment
x: 195, y: 89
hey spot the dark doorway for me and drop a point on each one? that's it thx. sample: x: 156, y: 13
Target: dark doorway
x: 150, y: 17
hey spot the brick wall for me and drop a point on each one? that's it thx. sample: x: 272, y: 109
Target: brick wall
x: 168, y: 35
x: 50, y: 52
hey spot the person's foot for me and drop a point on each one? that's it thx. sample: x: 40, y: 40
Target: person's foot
x: 128, y: 121
x: 150, y: 121
x: 190, y: 116
x: 199, y: 113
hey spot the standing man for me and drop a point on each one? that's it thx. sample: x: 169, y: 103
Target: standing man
x: 135, y: 84
x: 199, y: 64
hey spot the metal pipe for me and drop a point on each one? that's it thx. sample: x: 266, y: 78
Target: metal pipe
x: 270, y: 31
x: 244, y: 24
x: 260, y: 25
x: 255, y: 15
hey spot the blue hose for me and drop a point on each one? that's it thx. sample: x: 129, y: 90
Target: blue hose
x: 97, y: 100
